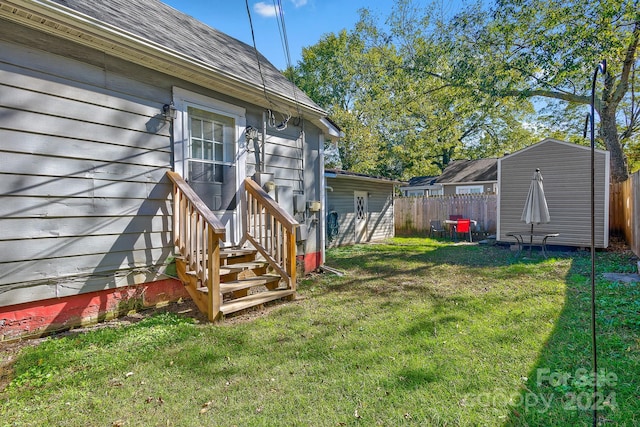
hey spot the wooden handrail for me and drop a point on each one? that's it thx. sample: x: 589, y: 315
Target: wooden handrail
x: 274, y: 209
x: 198, y: 204
x: 272, y: 231
x: 197, y: 233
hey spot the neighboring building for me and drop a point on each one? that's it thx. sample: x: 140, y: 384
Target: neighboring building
x: 566, y: 171
x: 421, y: 186
x: 469, y: 177
x: 359, y: 208
x: 100, y: 99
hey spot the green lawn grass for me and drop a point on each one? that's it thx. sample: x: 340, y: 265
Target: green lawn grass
x: 418, y: 332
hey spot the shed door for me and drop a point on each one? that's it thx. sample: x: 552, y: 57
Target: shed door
x: 361, y: 210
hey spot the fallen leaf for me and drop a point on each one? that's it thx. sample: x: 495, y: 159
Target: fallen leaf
x: 118, y: 423
x: 203, y: 410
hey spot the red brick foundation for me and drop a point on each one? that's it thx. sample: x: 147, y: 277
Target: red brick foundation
x: 43, y: 317
x: 312, y: 261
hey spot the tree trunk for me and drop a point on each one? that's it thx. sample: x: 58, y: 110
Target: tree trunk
x: 609, y: 134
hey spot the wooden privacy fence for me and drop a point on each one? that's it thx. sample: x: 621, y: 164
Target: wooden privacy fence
x: 413, y: 214
x: 624, y: 211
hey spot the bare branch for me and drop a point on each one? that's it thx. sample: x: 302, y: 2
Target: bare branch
x: 563, y: 96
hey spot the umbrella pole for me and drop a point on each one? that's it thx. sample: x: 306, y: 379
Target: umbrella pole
x: 530, y: 240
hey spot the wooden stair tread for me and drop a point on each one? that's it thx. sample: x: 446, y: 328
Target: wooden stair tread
x: 223, y: 271
x: 234, y: 268
x: 231, y: 252
x: 253, y: 300
x: 236, y: 285
x: 246, y: 265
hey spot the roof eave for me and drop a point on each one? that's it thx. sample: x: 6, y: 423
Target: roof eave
x: 332, y: 174
x: 61, y: 21
x: 493, y: 181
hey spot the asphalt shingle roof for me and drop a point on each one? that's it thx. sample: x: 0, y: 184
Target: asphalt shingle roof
x: 422, y: 180
x: 162, y: 24
x: 470, y: 171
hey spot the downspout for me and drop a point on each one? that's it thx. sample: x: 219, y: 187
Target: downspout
x: 323, y: 200
x: 264, y: 142
x: 260, y: 149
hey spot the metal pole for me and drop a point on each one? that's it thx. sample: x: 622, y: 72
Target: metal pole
x: 602, y: 67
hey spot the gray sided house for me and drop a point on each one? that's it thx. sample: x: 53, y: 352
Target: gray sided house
x: 566, y: 172
x: 420, y: 186
x: 99, y: 100
x: 469, y: 177
x: 359, y: 208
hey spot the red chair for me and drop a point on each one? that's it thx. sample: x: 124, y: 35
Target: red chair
x: 453, y: 231
x: 464, y: 226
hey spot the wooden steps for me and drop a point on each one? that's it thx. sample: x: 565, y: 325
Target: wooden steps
x: 222, y: 279
x: 241, y: 266
x: 254, y: 300
x: 236, y: 252
x: 244, y: 282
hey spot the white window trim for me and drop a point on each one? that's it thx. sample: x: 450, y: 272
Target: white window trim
x: 466, y: 189
x: 182, y: 100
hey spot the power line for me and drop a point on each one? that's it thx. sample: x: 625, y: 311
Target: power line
x: 255, y: 48
x: 277, y: 4
x: 287, y: 52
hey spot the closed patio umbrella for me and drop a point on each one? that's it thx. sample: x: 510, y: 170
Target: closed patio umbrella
x: 535, y: 209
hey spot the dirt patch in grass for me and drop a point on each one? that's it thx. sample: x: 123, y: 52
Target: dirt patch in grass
x: 8, y: 353
x: 187, y: 308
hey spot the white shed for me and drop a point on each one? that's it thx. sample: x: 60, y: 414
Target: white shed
x: 359, y: 208
x: 566, y: 170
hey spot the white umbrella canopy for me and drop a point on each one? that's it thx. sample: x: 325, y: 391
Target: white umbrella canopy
x: 535, y: 209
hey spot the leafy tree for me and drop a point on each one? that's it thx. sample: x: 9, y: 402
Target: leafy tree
x: 421, y: 90
x: 329, y: 73
x: 429, y: 117
x: 392, y: 91
x: 550, y: 48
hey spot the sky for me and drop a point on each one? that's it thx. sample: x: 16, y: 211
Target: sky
x: 306, y: 21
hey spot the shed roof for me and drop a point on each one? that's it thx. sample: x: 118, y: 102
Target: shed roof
x: 481, y: 170
x: 334, y: 173
x: 552, y: 141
